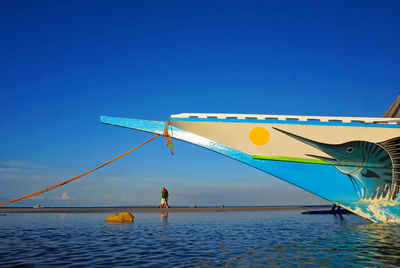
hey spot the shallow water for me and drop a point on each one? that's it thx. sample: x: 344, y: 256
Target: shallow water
x: 249, y: 239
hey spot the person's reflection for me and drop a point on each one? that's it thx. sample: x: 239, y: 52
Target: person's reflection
x: 164, y: 217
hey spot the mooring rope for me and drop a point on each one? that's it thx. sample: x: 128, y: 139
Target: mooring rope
x: 168, y: 137
x: 165, y: 134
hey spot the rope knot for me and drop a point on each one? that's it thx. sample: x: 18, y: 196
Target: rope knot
x: 168, y: 137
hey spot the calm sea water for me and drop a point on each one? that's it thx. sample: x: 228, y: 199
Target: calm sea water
x: 245, y: 239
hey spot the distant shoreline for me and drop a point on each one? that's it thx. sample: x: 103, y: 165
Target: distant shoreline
x: 152, y: 209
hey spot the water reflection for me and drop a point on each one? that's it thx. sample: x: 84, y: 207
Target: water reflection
x: 242, y: 239
x: 164, y: 217
x: 379, y: 242
x: 62, y: 216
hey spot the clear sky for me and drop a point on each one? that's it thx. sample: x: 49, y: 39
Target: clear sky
x: 65, y: 63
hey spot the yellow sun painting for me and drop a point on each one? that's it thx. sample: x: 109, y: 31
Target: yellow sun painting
x: 259, y: 136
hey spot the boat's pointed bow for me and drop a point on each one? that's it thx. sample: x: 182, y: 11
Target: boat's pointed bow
x: 138, y: 124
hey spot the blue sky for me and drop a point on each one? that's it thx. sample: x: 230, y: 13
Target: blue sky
x: 65, y: 63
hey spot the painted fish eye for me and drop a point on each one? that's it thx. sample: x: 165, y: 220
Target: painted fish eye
x: 349, y: 149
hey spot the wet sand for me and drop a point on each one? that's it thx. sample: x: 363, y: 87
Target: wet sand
x: 152, y: 210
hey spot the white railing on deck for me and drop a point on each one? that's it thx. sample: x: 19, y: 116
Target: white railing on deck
x: 368, y: 120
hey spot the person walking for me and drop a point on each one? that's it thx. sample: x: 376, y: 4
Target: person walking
x: 164, y: 198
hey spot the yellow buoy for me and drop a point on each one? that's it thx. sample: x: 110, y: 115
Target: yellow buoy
x: 121, y: 217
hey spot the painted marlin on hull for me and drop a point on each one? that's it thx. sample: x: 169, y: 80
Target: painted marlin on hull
x: 373, y: 165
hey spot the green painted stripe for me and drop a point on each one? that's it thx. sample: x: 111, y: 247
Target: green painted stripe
x: 290, y: 159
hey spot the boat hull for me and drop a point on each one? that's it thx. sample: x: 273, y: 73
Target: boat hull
x: 305, y: 153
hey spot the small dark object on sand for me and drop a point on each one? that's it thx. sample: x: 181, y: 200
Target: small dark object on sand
x: 334, y: 210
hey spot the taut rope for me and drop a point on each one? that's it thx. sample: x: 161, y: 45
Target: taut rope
x: 165, y: 134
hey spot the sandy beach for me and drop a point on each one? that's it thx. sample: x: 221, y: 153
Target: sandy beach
x: 151, y: 210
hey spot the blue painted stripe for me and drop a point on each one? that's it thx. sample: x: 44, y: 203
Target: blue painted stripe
x: 289, y: 122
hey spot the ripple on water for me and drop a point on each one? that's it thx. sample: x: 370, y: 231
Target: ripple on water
x: 277, y: 238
